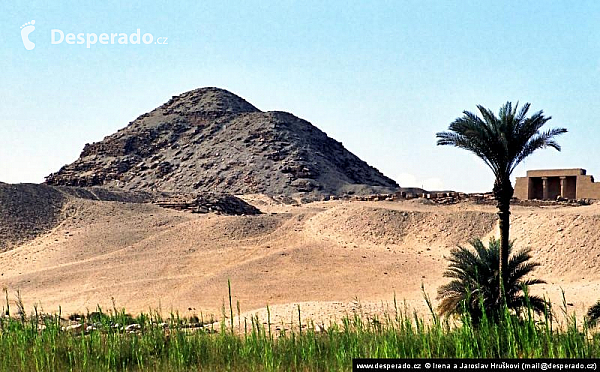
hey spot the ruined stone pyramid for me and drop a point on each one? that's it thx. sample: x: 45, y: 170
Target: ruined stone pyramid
x: 209, y: 139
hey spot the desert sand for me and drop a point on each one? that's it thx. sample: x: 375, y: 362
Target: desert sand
x: 332, y: 258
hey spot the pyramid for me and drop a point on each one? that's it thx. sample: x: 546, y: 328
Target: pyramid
x: 210, y: 140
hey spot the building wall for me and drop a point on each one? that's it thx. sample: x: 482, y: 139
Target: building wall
x: 556, y: 172
x: 587, y: 188
x: 522, y: 188
x: 578, y: 185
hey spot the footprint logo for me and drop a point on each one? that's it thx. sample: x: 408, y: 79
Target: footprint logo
x: 26, y: 29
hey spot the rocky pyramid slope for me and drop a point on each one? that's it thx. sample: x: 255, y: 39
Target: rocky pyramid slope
x: 209, y: 139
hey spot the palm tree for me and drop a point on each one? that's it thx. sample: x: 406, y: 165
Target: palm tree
x: 502, y: 143
x: 476, y: 282
x: 593, y: 314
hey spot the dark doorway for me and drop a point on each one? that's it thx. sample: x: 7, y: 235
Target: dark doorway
x: 536, y: 188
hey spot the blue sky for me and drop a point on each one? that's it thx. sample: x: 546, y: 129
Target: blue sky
x: 381, y: 76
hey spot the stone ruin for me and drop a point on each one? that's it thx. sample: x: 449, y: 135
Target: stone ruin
x: 209, y: 202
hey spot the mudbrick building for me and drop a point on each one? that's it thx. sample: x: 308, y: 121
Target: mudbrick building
x: 548, y: 184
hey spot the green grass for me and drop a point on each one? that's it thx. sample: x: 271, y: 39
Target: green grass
x: 40, y: 343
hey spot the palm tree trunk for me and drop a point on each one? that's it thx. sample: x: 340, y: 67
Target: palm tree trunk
x: 503, y: 192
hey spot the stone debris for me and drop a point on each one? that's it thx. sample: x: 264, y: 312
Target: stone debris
x: 452, y: 197
x: 437, y: 198
x: 209, y: 203
x: 133, y: 328
x: 73, y: 328
x: 80, y: 327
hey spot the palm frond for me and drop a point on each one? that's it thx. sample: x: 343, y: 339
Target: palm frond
x: 476, y: 281
x: 502, y: 141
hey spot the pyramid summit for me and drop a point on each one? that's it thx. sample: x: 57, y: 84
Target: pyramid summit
x: 208, y: 100
x: 210, y: 139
